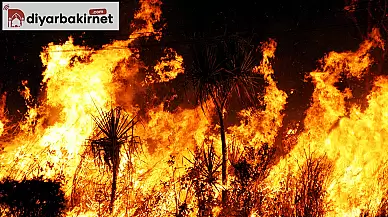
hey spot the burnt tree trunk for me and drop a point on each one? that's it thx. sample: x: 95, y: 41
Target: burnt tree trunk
x: 115, y: 170
x: 224, y: 156
x: 113, y: 192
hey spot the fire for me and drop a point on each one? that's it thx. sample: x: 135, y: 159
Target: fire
x: 260, y: 127
x: 350, y: 138
x: 1, y: 128
x: 168, y: 67
x: 3, y: 119
x: 149, y: 13
x: 56, y: 129
x: 336, y: 163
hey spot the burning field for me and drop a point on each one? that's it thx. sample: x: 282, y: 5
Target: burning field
x: 107, y: 156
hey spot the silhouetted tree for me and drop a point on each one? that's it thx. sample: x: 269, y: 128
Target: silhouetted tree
x: 31, y: 198
x: 114, y: 130
x: 219, y: 70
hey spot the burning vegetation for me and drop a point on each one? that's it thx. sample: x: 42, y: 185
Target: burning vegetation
x: 81, y: 151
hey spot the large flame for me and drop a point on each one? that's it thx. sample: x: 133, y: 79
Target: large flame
x: 350, y: 138
x: 53, y: 137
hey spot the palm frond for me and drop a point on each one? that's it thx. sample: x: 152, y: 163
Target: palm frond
x: 205, y: 71
x: 206, y: 164
x: 112, y: 133
x: 222, y: 68
x: 242, y: 60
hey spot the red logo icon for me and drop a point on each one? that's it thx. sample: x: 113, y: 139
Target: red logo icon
x: 15, y: 17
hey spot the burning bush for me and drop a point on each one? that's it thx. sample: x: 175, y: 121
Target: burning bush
x: 204, y: 174
x: 31, y: 198
x: 310, y: 189
x: 301, y: 194
x: 249, y: 168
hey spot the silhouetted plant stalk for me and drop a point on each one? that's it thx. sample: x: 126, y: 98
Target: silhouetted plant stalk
x: 147, y: 204
x: 249, y: 166
x: 182, y: 187
x: 302, y: 193
x: 310, y: 189
x: 113, y: 131
x: 382, y: 209
x: 218, y: 71
x: 75, y: 192
x: 133, y: 148
x: 204, y: 173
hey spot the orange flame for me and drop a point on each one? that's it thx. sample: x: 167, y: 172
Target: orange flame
x: 3, y: 118
x: 259, y: 127
x: 168, y: 67
x: 149, y: 13
x: 54, y: 132
x: 351, y: 139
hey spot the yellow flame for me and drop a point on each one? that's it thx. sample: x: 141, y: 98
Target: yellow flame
x: 349, y: 141
x: 259, y: 127
x: 1, y: 128
x: 168, y: 67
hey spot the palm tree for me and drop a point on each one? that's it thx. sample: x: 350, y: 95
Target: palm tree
x: 114, y: 130
x: 218, y: 71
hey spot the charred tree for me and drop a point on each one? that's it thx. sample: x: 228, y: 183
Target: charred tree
x: 218, y: 71
x: 113, y: 132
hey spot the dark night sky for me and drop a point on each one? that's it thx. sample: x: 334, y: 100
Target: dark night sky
x: 304, y: 30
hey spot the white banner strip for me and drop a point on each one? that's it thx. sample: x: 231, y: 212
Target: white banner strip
x: 60, y: 16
